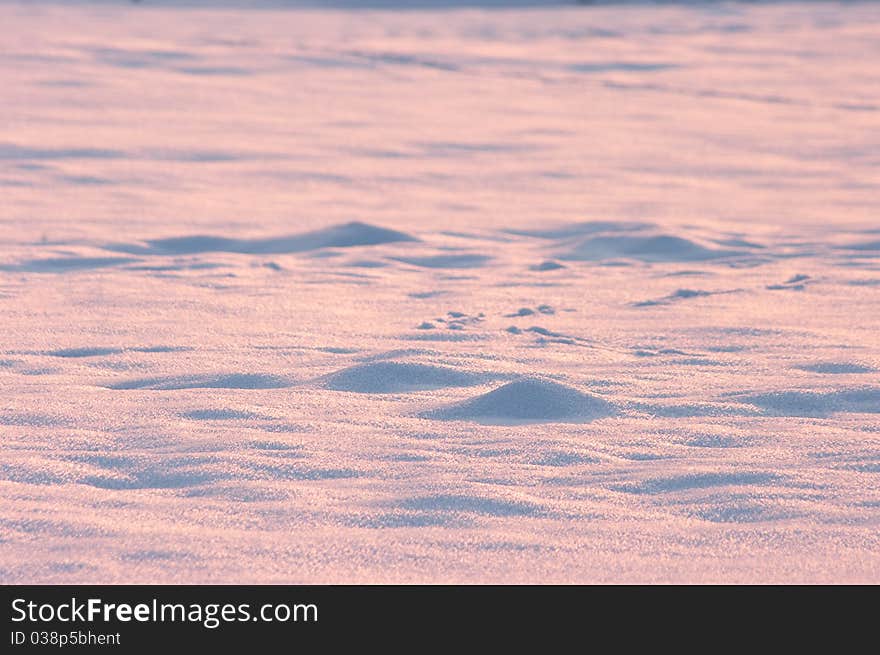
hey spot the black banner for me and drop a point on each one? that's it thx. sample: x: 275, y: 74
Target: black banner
x: 134, y: 618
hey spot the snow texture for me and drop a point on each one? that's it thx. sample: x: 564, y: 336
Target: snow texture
x: 528, y: 293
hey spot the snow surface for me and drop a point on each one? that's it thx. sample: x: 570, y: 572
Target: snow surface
x: 557, y: 294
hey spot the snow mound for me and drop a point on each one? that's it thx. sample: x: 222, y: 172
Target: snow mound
x: 223, y: 381
x: 393, y: 377
x: 347, y: 235
x: 836, y: 368
x: 528, y: 399
x: 547, y: 265
x: 582, y: 229
x: 465, y: 260
x: 818, y: 403
x: 75, y: 353
x: 662, y: 248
